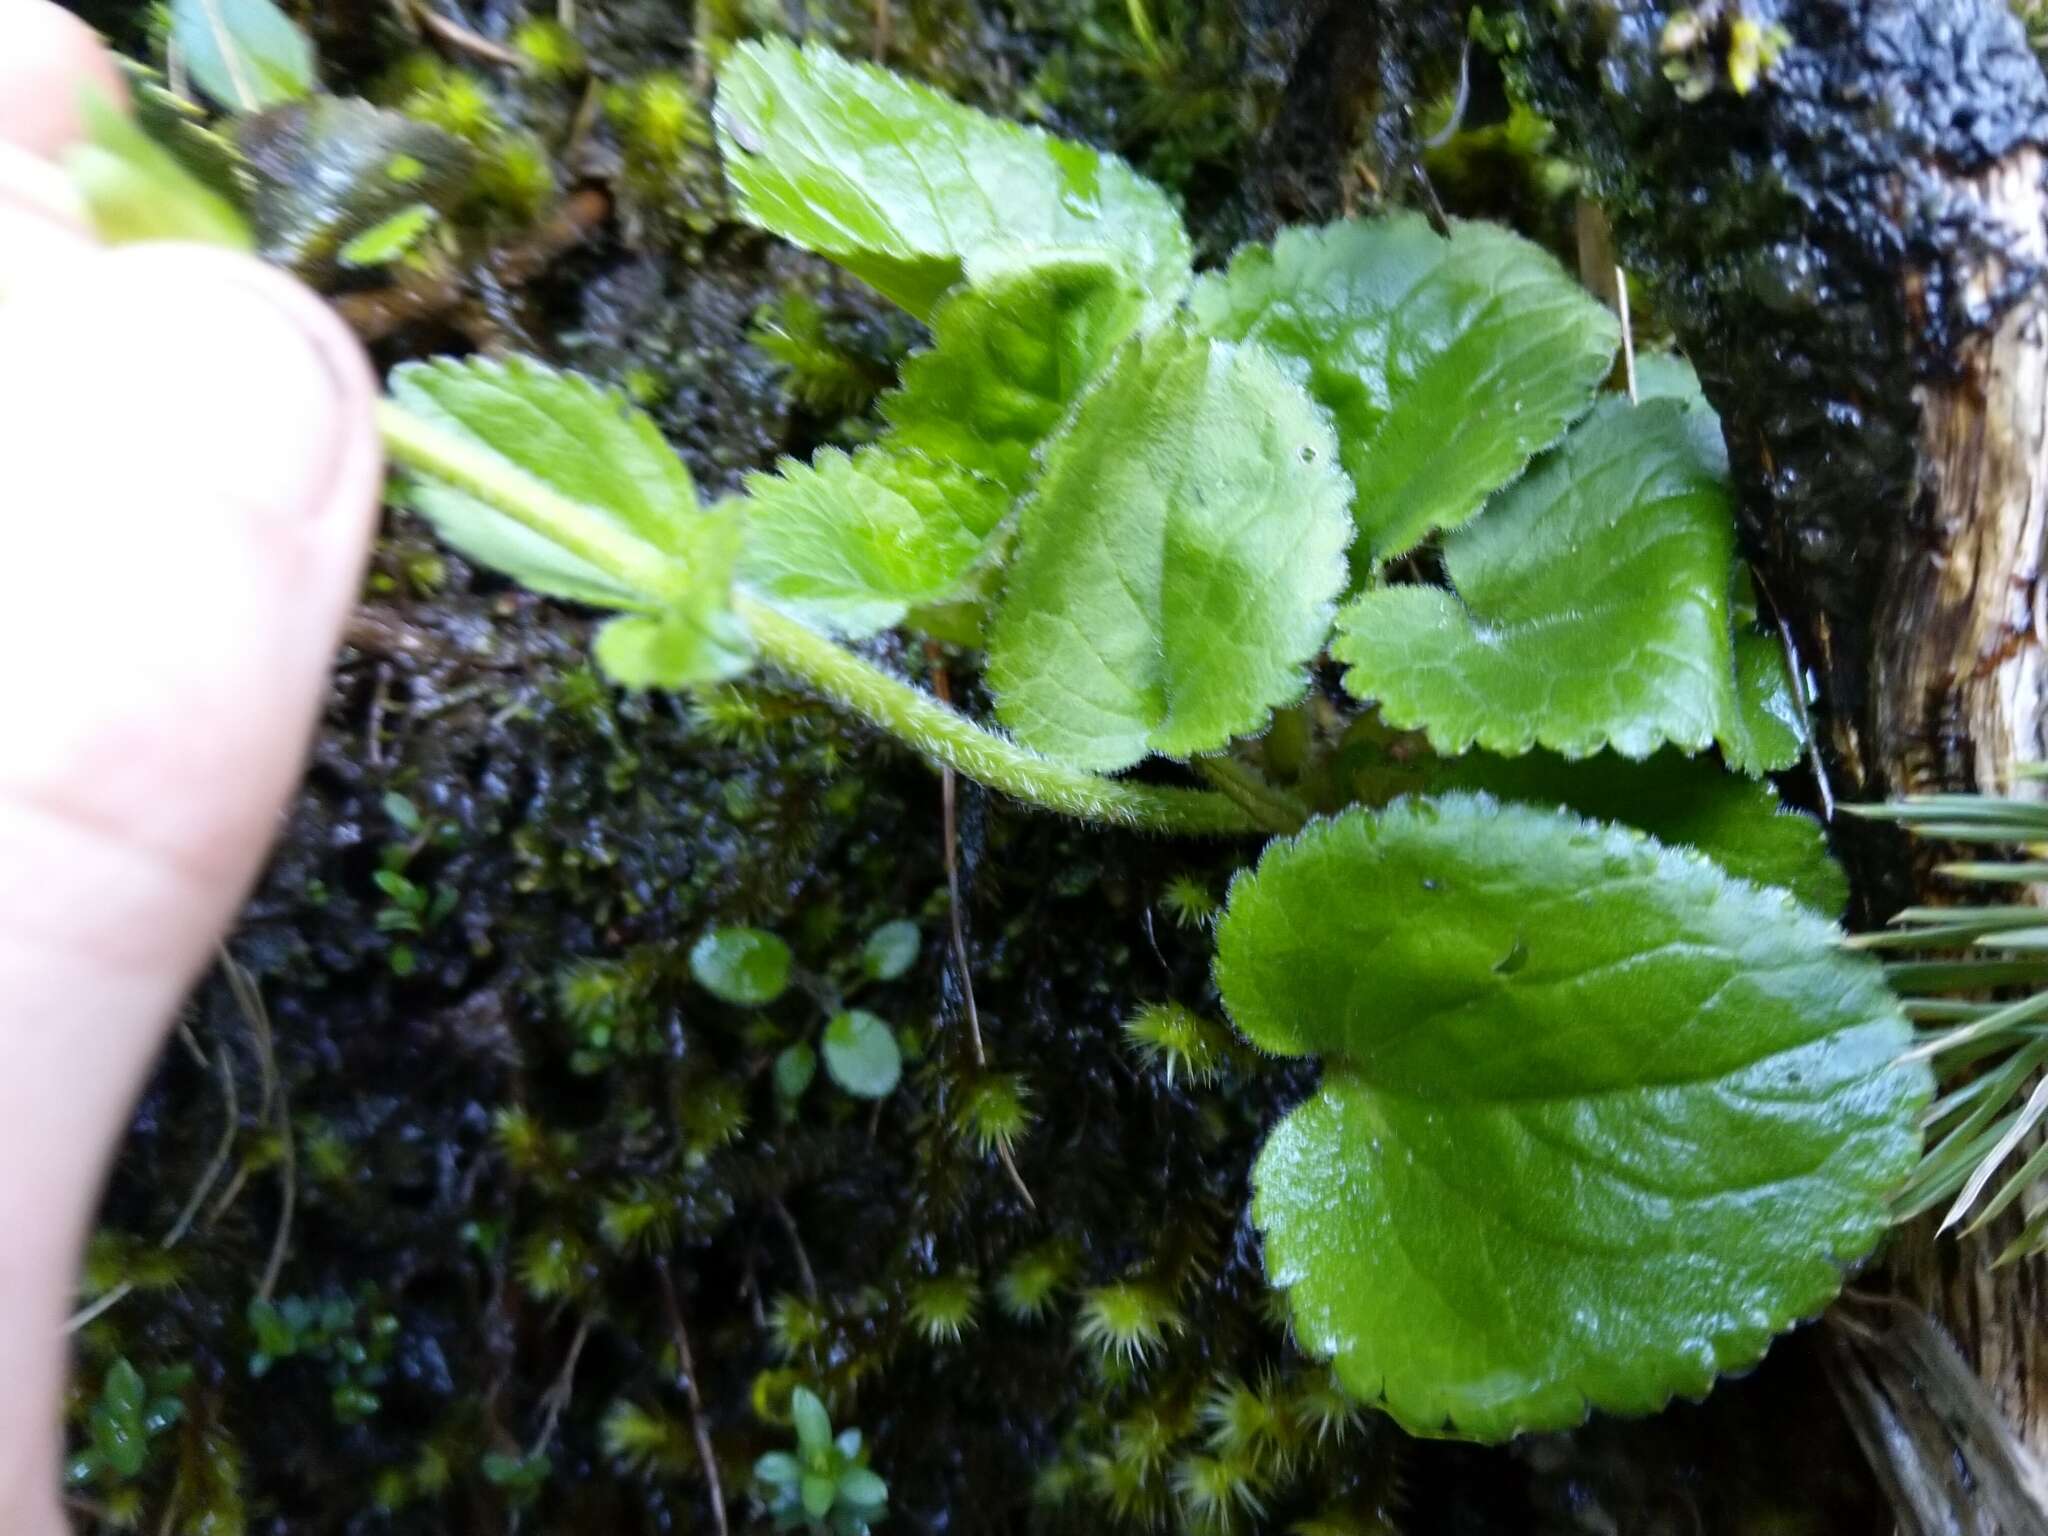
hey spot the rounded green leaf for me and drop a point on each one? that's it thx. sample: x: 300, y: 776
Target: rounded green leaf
x: 1597, y: 1120
x: 813, y: 1424
x: 778, y: 1469
x: 795, y: 1066
x: 902, y: 186
x: 891, y: 950
x: 747, y: 966
x: 1590, y: 605
x: 1768, y: 731
x: 863, y: 1491
x: 1176, y: 564
x: 1446, y: 362
x: 862, y: 1055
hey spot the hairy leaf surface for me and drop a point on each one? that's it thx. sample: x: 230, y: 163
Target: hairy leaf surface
x: 245, y: 54
x: 851, y: 544
x: 1589, y: 606
x: 1447, y: 363
x: 1681, y: 801
x: 1597, y: 1119
x: 901, y: 185
x: 1011, y: 352
x: 1176, y: 563
x: 588, y: 445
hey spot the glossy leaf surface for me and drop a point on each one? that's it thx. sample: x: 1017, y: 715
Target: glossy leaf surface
x: 1596, y: 1122
x: 1589, y: 606
x: 1446, y: 363
x: 891, y: 950
x: 902, y: 186
x: 747, y: 966
x: 1688, y: 802
x: 861, y: 1054
x: 1176, y: 563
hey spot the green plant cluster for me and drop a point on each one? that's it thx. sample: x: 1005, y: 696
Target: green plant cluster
x: 671, y: 1238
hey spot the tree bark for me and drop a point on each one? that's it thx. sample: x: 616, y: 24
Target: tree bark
x: 1852, y: 251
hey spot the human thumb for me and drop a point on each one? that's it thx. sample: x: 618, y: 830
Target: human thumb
x: 188, y: 476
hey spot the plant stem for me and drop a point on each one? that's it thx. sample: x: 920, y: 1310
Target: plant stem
x: 947, y: 736
x: 1276, y: 809
x: 931, y: 728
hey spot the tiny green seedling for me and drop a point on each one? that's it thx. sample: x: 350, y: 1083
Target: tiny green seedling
x: 823, y: 1486
x: 751, y: 968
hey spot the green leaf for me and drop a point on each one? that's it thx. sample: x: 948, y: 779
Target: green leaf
x: 389, y: 239
x: 862, y: 1055
x: 135, y: 190
x: 1176, y: 564
x: 813, y: 1423
x: 902, y: 186
x: 245, y: 54
x: 590, y: 446
x: 748, y: 966
x: 891, y: 950
x: 1589, y: 610
x: 1011, y: 351
x: 1682, y: 802
x: 124, y: 1391
x: 778, y: 1469
x: 1768, y: 731
x: 696, y: 640
x: 852, y: 544
x: 1597, y: 1120
x: 863, y: 1490
x: 795, y: 1066
x: 818, y: 1493
x: 1446, y: 362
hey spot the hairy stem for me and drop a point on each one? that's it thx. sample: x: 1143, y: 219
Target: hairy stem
x: 935, y: 730
x: 947, y: 736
